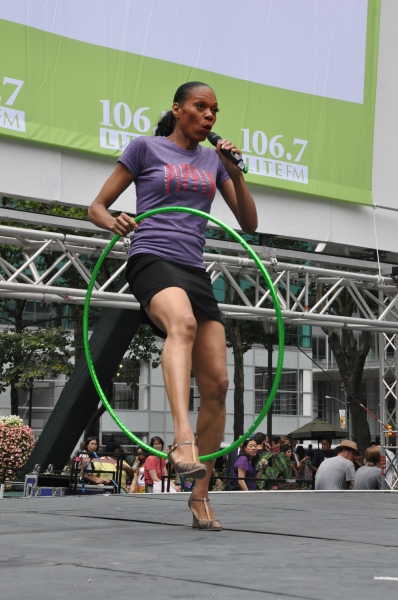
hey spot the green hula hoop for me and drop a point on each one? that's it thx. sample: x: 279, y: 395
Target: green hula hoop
x: 279, y: 319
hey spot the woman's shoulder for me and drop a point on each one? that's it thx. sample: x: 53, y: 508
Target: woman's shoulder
x: 150, y: 460
x: 242, y: 462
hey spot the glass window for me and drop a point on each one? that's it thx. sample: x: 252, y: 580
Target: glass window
x: 126, y: 390
x: 287, y: 397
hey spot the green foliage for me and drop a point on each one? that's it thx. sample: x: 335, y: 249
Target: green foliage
x: 145, y: 345
x: 33, y: 354
x: 73, y: 212
x: 278, y: 464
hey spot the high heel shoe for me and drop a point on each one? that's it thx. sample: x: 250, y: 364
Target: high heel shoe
x: 204, y: 524
x: 193, y: 469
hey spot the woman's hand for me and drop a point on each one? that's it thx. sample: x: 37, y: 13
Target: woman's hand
x: 124, y: 224
x: 235, y: 191
x: 100, y: 481
x: 231, y: 169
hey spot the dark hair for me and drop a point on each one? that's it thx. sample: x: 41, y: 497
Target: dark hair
x: 276, y: 439
x: 90, y: 439
x: 300, y: 452
x: 167, y: 123
x: 243, y: 449
x: 153, y: 440
x: 112, y: 447
x: 285, y: 448
x: 259, y: 437
x: 329, y: 440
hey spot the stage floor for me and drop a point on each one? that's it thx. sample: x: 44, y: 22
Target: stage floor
x: 277, y: 545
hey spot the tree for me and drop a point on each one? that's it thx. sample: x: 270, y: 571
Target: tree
x: 351, y: 357
x: 32, y: 354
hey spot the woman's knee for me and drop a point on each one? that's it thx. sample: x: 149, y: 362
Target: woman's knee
x: 183, y: 328
x: 216, y: 389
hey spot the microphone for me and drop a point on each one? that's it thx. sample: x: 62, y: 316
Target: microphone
x: 237, y: 160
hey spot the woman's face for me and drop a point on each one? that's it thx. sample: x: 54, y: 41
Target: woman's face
x: 92, y: 446
x: 158, y: 445
x: 251, y: 448
x: 140, y: 455
x: 289, y: 453
x: 197, y: 115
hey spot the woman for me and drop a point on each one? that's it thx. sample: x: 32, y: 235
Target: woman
x: 245, y: 467
x: 286, y: 448
x: 155, y: 466
x: 138, y: 484
x: 91, y: 445
x: 107, y: 466
x: 165, y: 268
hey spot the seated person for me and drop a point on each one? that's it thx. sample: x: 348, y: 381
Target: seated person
x: 369, y: 476
x: 106, y: 466
x: 338, y: 472
x: 138, y: 484
x: 245, y: 467
x: 87, y: 465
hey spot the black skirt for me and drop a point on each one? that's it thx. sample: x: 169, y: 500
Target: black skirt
x: 148, y: 274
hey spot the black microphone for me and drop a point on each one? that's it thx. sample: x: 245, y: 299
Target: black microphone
x: 237, y: 160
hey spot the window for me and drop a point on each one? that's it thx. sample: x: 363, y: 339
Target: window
x: 126, y: 389
x: 287, y: 397
x: 319, y: 348
x: 320, y: 406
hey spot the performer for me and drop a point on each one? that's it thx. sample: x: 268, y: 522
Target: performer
x: 166, y: 273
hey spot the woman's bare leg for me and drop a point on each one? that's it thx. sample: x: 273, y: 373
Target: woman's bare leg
x: 209, y: 366
x: 171, y: 311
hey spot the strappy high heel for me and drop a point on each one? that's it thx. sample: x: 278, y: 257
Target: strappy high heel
x: 193, y: 469
x: 204, y: 524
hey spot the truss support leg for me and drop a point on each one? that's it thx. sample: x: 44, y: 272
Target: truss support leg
x: 79, y: 399
x: 388, y: 406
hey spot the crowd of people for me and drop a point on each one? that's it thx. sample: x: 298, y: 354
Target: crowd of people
x: 259, y: 463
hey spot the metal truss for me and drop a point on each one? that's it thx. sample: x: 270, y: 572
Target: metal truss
x: 295, y: 275
x: 388, y: 404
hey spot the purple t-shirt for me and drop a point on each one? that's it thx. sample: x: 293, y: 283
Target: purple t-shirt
x: 244, y: 463
x: 167, y: 175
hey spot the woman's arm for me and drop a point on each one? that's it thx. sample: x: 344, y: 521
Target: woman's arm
x: 236, y: 193
x: 242, y: 483
x: 153, y: 475
x: 129, y: 470
x: 94, y: 479
x: 134, y: 484
x: 98, y: 212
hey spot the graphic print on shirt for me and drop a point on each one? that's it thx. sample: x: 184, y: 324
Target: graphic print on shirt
x: 187, y: 178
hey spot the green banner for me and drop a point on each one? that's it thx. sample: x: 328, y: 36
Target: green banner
x: 65, y: 92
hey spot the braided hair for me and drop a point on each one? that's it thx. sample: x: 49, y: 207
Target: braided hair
x: 167, y: 123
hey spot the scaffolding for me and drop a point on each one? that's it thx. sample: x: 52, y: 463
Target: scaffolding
x: 295, y: 275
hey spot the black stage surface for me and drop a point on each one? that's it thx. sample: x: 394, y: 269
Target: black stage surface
x: 315, y: 545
